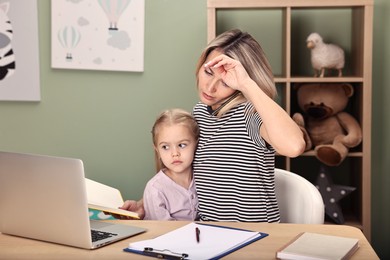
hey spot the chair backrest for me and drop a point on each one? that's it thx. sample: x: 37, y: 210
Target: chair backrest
x: 298, y: 199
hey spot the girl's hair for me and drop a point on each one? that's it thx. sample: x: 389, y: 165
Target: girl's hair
x: 171, y: 117
x: 243, y: 47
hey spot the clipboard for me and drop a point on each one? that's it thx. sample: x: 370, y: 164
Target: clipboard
x: 196, y: 241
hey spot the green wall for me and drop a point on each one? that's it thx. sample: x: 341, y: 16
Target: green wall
x: 105, y: 117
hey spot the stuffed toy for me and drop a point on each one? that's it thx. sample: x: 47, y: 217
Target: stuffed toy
x: 328, y: 130
x: 324, y: 55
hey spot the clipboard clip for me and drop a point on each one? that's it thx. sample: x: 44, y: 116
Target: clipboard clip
x: 164, y: 254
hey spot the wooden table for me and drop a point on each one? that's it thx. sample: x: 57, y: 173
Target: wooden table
x: 12, y: 247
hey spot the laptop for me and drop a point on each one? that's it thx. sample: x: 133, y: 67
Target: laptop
x: 45, y: 198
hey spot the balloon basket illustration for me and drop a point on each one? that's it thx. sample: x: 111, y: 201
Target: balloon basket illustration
x: 113, y: 10
x: 69, y: 37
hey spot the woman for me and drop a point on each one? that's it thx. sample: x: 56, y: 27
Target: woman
x: 241, y: 128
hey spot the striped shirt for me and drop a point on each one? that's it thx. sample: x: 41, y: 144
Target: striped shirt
x: 234, y: 167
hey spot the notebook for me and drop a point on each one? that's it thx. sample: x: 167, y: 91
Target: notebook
x: 105, y: 198
x: 313, y: 246
x: 44, y: 198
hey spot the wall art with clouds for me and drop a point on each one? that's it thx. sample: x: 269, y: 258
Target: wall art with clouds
x: 98, y: 34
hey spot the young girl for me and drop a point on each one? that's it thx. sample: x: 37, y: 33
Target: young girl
x: 171, y: 194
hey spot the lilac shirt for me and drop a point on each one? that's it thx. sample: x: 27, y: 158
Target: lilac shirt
x: 164, y: 199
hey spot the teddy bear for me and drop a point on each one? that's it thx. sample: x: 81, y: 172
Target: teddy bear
x: 327, y: 128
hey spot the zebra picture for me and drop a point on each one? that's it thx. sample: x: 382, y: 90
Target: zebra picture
x: 7, y: 57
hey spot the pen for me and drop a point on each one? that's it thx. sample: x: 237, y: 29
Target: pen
x: 197, y: 234
x: 164, y: 254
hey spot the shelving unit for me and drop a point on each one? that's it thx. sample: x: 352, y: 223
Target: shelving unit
x: 284, y: 37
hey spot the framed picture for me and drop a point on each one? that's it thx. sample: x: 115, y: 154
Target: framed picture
x: 98, y: 34
x: 19, y: 51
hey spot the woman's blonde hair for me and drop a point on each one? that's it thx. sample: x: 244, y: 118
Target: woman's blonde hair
x: 171, y: 117
x: 243, y: 47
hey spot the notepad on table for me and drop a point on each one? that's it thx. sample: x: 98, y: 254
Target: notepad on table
x: 209, y: 242
x: 313, y: 246
x: 106, y: 198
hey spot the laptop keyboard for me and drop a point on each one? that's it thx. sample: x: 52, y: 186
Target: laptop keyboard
x: 100, y: 235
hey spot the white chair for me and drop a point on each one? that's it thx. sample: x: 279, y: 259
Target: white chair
x: 298, y: 199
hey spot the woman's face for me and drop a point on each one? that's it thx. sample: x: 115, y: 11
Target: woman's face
x: 211, y: 88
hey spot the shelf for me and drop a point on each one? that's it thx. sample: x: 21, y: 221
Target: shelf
x: 285, y: 3
x: 318, y: 80
x: 312, y: 153
x: 350, y: 221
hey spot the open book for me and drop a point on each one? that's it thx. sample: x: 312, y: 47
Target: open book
x: 196, y: 241
x: 313, y: 246
x: 105, y: 198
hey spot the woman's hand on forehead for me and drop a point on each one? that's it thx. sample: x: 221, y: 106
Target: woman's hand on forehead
x: 230, y: 70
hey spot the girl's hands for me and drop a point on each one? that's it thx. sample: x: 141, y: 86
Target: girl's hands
x: 135, y: 206
x: 131, y: 205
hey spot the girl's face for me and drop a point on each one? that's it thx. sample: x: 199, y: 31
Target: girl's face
x: 212, y: 90
x: 176, y: 147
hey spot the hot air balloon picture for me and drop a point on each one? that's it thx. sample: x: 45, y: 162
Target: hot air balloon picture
x: 98, y: 35
x: 113, y: 10
x: 69, y: 37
